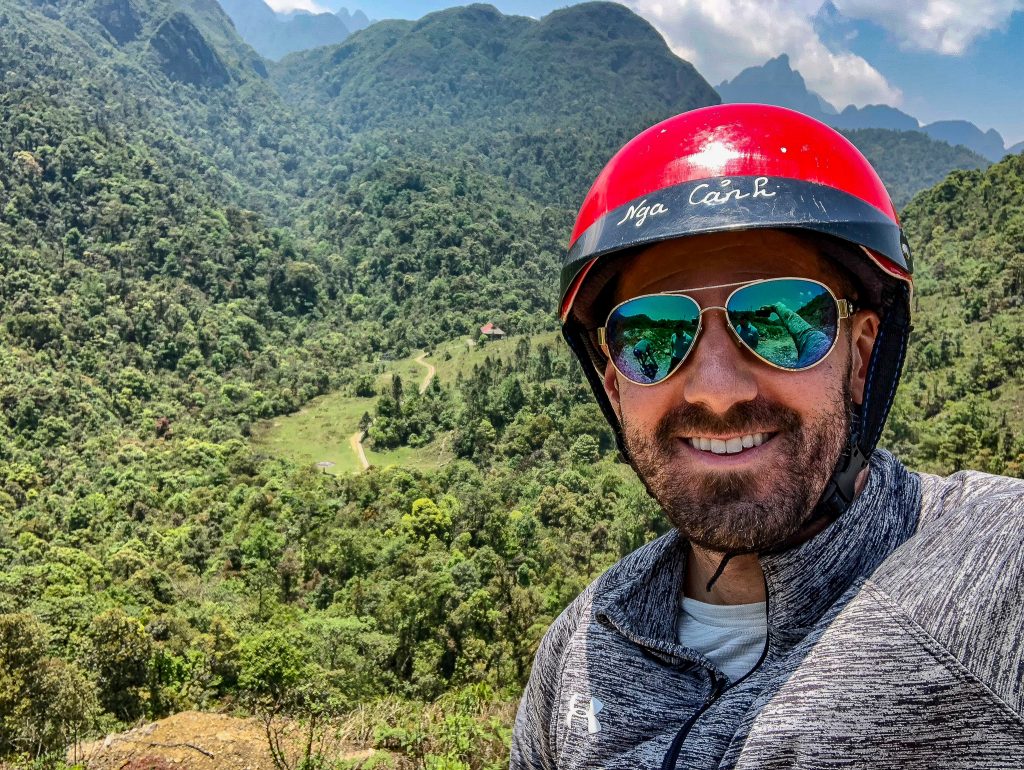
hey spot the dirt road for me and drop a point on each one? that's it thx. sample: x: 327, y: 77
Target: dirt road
x: 431, y: 371
x: 357, y: 447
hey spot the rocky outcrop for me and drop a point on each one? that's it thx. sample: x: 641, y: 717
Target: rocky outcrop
x: 120, y: 18
x: 185, y: 55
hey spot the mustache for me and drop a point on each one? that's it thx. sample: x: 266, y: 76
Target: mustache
x: 751, y: 416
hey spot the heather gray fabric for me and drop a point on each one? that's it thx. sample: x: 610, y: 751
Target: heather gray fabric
x: 895, y: 640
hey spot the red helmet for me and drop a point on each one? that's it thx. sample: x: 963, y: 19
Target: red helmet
x: 737, y: 167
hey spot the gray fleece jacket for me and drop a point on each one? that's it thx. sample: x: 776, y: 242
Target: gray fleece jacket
x: 895, y: 640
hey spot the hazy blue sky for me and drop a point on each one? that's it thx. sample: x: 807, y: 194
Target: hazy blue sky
x: 934, y: 59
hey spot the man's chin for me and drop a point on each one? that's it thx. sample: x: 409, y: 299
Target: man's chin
x: 729, y: 509
x: 746, y: 527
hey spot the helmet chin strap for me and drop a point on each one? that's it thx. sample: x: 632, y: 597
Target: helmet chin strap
x: 834, y: 501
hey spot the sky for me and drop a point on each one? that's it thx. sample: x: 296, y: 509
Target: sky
x: 934, y: 59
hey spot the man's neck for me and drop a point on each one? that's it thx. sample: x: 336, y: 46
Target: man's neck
x: 742, y: 580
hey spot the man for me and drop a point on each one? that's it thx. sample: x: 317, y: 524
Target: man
x: 816, y: 605
x: 748, y: 334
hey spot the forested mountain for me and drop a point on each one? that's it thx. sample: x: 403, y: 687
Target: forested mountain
x: 193, y: 240
x: 962, y: 401
x: 539, y: 103
x: 909, y: 161
x: 178, y: 78
x: 473, y: 66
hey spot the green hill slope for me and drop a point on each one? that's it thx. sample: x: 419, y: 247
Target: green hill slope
x: 472, y: 65
x: 962, y: 404
x: 911, y: 161
x: 539, y: 104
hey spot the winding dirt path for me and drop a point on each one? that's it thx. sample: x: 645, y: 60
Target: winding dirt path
x: 357, y: 446
x: 431, y: 371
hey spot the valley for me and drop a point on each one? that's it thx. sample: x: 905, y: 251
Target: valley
x: 219, y: 272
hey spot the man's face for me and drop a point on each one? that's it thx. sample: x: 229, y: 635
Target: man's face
x: 761, y: 495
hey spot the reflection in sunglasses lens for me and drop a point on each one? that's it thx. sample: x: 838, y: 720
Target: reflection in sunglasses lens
x: 789, y: 322
x: 648, y: 336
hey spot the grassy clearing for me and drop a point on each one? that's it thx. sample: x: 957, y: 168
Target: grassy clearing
x: 465, y: 356
x: 321, y: 431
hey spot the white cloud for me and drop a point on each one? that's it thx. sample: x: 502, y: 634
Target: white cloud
x: 943, y: 26
x: 286, y: 6
x: 722, y: 37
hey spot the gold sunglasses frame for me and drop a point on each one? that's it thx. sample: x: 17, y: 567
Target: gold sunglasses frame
x: 844, y: 307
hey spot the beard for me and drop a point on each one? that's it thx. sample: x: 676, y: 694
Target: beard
x: 742, y: 510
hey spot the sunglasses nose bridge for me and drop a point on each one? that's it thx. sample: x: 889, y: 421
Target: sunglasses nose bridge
x: 703, y: 310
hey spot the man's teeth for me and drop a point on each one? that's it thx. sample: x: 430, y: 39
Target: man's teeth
x: 730, y: 446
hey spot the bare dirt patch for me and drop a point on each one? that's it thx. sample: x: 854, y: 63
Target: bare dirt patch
x: 197, y: 741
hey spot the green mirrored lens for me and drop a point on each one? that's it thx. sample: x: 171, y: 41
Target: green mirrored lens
x: 648, y: 336
x: 789, y: 322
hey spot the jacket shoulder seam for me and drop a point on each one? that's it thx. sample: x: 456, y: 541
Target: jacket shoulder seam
x: 949, y: 661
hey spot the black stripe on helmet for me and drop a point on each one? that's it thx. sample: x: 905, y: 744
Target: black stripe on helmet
x: 720, y: 204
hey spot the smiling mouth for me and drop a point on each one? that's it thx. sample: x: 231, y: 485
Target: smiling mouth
x: 729, y: 446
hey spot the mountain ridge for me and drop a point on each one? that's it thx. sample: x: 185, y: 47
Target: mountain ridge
x: 275, y: 35
x: 775, y: 82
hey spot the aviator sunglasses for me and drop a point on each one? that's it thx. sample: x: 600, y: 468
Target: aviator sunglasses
x: 789, y: 323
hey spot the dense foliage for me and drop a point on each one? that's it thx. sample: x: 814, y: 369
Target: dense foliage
x: 961, y: 402
x: 189, y: 245
x: 910, y: 161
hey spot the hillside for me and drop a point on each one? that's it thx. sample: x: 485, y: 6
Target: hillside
x: 538, y: 104
x: 474, y: 65
x: 909, y: 161
x: 962, y: 401
x: 178, y: 78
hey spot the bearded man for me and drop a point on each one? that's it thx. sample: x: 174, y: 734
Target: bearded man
x: 816, y: 604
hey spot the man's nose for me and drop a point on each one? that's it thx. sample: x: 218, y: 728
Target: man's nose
x: 717, y: 373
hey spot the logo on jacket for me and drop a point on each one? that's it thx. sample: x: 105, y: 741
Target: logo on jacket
x: 576, y: 709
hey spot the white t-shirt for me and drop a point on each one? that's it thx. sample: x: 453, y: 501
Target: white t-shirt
x: 732, y: 636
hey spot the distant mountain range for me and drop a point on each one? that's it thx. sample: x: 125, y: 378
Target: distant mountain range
x: 274, y: 35
x: 776, y: 82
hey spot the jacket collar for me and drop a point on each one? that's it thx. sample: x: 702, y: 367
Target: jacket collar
x: 639, y: 596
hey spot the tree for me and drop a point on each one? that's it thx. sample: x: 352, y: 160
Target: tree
x: 280, y: 680
x: 397, y: 389
x: 45, y: 702
x: 119, y: 653
x: 428, y: 519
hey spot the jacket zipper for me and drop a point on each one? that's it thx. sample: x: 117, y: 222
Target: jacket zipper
x: 672, y: 755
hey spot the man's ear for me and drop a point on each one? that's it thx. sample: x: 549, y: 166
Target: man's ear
x: 611, y: 388
x: 864, y: 331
